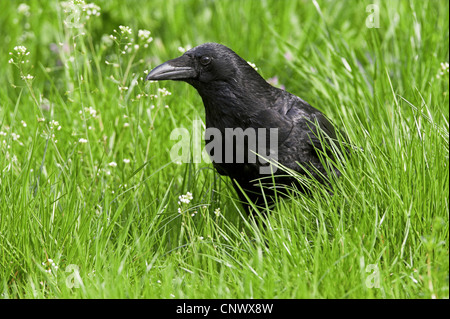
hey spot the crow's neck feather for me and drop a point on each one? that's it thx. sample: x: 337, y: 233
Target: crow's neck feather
x: 235, y: 101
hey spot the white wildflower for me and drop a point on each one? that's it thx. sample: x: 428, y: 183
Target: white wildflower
x: 144, y: 35
x: 53, y: 124
x: 444, y: 70
x: 186, y: 199
x: 24, y: 9
x: 92, y: 112
x: 184, y: 49
x: 27, y: 77
x: 253, y: 65
x: 125, y: 29
x: 164, y: 91
x: 82, y: 141
x: 113, y: 164
x: 126, y: 161
x: 21, y: 50
x: 91, y: 9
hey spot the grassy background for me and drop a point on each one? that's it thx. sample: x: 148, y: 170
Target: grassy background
x: 64, y: 205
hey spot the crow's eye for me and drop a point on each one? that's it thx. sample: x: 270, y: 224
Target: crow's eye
x: 205, y: 60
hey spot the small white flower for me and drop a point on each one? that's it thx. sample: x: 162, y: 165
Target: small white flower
x: 113, y: 164
x: 126, y: 161
x: 144, y: 34
x: 164, y: 91
x: 443, y: 70
x: 82, y: 141
x: 53, y: 124
x: 27, y: 77
x: 125, y: 29
x: 24, y: 9
x: 184, y: 49
x: 23, y: 123
x: 186, y: 199
x: 91, y: 9
x: 90, y: 110
x: 126, y: 124
x: 253, y: 65
x: 194, y: 213
x: 21, y: 50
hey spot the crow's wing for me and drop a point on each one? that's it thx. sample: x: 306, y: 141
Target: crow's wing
x: 306, y: 118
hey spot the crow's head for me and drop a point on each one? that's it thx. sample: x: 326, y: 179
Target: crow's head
x: 205, y: 64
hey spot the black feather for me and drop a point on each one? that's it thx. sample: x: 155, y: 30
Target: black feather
x: 236, y: 96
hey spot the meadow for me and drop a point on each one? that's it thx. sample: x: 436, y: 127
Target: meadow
x: 93, y: 206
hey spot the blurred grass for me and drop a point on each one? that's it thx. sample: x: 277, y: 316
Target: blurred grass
x: 66, y: 200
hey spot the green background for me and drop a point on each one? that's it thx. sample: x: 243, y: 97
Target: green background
x: 64, y: 205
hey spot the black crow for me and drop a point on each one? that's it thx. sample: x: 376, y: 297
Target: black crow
x: 242, y: 108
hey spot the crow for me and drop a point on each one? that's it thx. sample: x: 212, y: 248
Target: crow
x: 240, y: 106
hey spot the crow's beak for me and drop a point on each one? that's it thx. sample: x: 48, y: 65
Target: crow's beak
x: 176, y: 69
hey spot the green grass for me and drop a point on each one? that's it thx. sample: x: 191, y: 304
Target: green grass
x: 61, y: 199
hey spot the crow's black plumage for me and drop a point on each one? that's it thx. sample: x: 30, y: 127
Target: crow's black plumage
x: 236, y: 96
